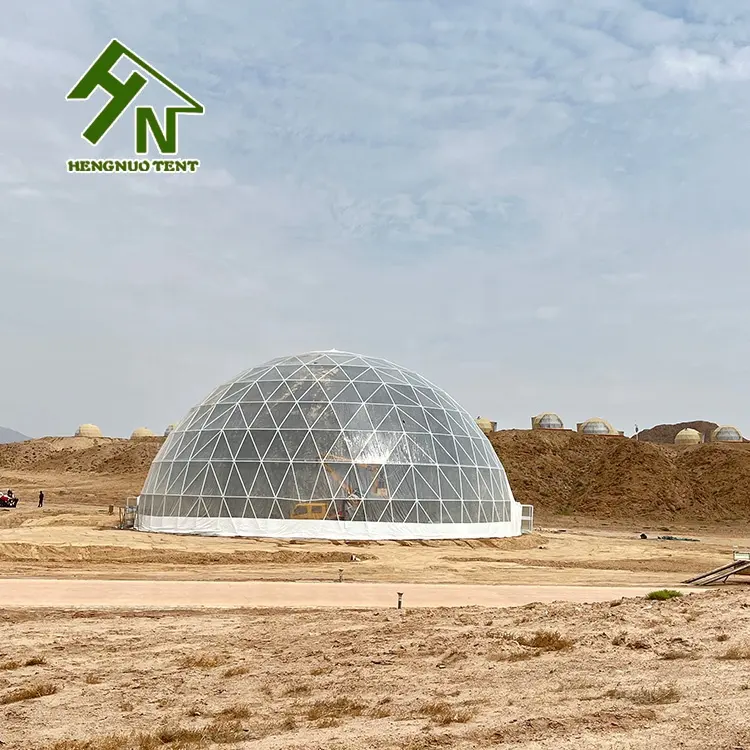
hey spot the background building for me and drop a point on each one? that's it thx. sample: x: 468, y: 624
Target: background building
x: 141, y: 432
x: 547, y: 421
x: 726, y: 434
x: 688, y: 436
x: 597, y: 426
x: 88, y: 430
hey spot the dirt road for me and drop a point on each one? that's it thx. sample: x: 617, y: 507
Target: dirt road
x: 98, y: 594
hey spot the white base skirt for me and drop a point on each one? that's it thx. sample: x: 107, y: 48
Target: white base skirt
x: 339, y: 530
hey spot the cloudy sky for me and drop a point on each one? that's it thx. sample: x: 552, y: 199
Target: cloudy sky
x: 536, y: 204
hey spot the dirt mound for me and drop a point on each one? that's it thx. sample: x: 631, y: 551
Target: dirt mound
x: 98, y: 455
x: 22, y: 552
x: 665, y: 433
x: 565, y: 473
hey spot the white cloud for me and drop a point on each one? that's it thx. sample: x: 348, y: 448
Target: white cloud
x: 689, y: 69
x: 421, y: 181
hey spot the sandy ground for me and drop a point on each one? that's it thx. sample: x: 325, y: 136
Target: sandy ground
x: 78, y: 541
x: 99, y: 594
x: 295, y: 660
x: 625, y: 674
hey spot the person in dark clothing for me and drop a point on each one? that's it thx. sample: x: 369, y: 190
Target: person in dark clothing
x: 41, y: 500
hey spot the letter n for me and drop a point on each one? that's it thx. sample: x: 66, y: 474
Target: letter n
x: 165, y: 140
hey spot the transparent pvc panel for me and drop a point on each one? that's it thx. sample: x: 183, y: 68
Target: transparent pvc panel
x: 470, y: 511
x: 262, y: 440
x: 171, y: 505
x: 263, y: 506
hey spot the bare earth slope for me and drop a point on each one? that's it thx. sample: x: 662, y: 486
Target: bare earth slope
x: 564, y: 473
x: 90, y: 470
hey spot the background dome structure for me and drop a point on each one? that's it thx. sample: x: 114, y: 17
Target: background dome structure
x: 88, y: 430
x: 547, y: 420
x: 329, y: 445
x: 487, y: 426
x: 726, y: 433
x: 141, y: 432
x: 597, y: 426
x: 688, y: 436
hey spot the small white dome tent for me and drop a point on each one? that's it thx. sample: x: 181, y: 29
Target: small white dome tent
x: 89, y: 431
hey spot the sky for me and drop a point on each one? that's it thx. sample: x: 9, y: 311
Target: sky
x: 536, y: 204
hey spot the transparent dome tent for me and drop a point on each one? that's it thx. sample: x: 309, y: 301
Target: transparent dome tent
x: 329, y: 445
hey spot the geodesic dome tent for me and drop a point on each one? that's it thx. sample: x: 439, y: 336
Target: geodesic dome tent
x: 88, y: 430
x: 141, y: 432
x: 688, y: 436
x: 547, y: 421
x: 597, y: 426
x: 329, y: 445
x: 487, y: 426
x: 726, y: 434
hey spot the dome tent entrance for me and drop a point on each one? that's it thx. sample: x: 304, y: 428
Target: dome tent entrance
x: 329, y: 445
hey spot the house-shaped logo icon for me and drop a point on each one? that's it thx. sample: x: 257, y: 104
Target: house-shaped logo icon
x: 124, y: 93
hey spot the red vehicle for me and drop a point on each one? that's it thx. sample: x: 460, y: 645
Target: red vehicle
x: 8, y: 502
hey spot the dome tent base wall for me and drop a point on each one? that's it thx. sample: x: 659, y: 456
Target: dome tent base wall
x: 333, y: 530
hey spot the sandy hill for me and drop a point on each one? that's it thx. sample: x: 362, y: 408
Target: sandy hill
x: 665, y: 433
x: 618, y: 478
x: 560, y: 473
x: 113, y: 456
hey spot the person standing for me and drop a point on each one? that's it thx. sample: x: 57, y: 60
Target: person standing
x: 41, y: 499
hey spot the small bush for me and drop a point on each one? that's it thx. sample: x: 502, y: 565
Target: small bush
x: 110, y: 742
x: 236, y: 671
x: 237, y: 711
x: 202, y: 661
x: 27, y: 693
x: 328, y: 722
x: 297, y: 690
x: 444, y: 714
x: 334, y: 709
x: 736, y: 653
x: 722, y: 637
x: 511, y: 656
x: 219, y: 732
x: 544, y: 640
x: 381, y: 712
x: 15, y: 664
x: 647, y: 696
x: 663, y: 594
x: 674, y: 654
x: 93, y: 679
x: 289, y: 724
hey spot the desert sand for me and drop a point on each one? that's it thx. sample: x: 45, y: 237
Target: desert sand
x: 624, y: 674
x: 118, y: 640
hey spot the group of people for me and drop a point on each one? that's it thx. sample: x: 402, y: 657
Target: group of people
x: 10, y: 496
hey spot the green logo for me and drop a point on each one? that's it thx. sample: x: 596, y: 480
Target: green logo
x: 123, y: 94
